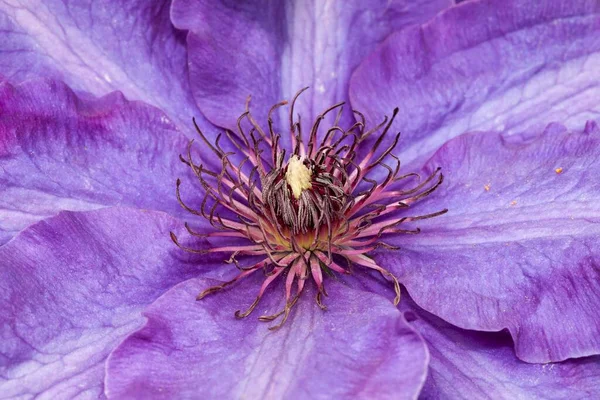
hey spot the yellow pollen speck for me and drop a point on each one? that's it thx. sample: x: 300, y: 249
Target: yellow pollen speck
x: 487, y: 187
x: 513, y: 203
x: 297, y: 176
x: 558, y: 170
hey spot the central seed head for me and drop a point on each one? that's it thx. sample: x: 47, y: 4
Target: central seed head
x: 298, y: 176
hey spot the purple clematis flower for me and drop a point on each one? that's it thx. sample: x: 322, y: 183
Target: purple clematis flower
x: 500, y: 293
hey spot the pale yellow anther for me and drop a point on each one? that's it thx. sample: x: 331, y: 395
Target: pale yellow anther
x: 297, y: 176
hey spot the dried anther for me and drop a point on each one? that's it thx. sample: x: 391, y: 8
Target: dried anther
x: 304, y: 213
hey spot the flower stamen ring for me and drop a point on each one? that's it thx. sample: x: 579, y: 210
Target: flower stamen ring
x: 320, y: 210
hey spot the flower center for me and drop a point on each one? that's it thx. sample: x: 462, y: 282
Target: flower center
x: 325, y: 210
x: 297, y: 176
x: 303, y: 196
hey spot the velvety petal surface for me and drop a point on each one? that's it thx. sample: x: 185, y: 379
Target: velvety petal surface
x: 477, y: 365
x: 59, y: 151
x: 466, y: 364
x: 71, y: 288
x: 518, y: 248
x: 99, y: 47
x: 270, y: 50
x: 485, y: 65
x: 361, y: 347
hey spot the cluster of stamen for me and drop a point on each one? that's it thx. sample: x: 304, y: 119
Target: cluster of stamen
x: 316, y: 211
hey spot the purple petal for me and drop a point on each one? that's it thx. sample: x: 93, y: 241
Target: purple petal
x: 485, y: 65
x: 71, y: 288
x: 58, y: 151
x: 466, y: 364
x: 99, y: 47
x: 270, y: 50
x: 518, y: 247
x: 359, y: 348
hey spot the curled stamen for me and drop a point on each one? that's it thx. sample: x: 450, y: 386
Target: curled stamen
x: 396, y: 285
x: 239, y: 314
x: 286, y: 313
x: 319, y: 301
x: 222, y: 286
x: 189, y: 250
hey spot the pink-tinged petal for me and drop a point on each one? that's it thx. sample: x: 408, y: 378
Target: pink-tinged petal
x: 477, y: 365
x: 72, y: 287
x: 518, y: 248
x: 100, y: 47
x: 361, y: 347
x: 485, y: 65
x: 59, y: 151
x: 272, y: 49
